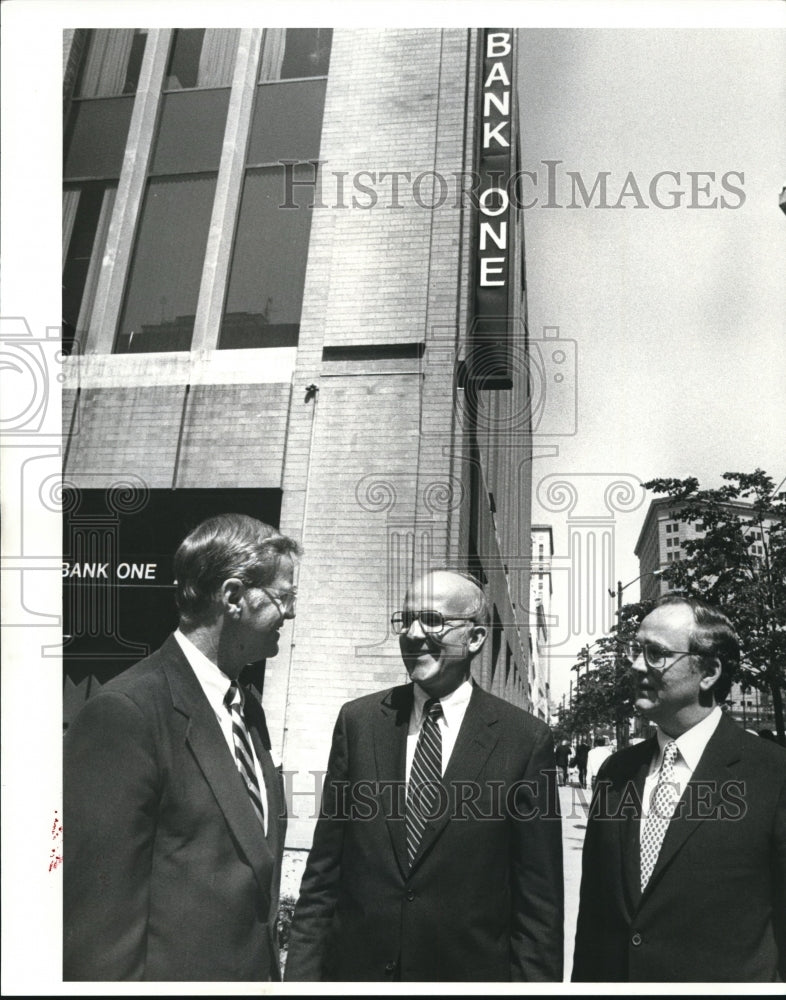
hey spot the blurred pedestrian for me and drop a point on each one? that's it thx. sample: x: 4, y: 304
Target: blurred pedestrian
x: 595, y: 758
x: 582, y: 753
x: 562, y: 756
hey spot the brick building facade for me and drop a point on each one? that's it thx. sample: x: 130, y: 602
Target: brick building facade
x: 304, y: 364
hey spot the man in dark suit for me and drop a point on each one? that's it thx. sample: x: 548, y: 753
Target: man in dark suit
x: 437, y: 855
x: 174, y: 816
x: 684, y: 866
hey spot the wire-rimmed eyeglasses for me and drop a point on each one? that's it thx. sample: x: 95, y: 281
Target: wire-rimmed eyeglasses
x: 284, y: 600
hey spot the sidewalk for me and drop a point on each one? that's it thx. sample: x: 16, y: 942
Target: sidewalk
x: 574, y: 803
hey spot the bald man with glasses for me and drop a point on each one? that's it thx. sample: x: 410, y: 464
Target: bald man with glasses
x: 438, y: 854
x: 684, y: 864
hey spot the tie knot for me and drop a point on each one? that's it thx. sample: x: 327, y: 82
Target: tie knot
x: 234, y: 696
x: 433, y: 709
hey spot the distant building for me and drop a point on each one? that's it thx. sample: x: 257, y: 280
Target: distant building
x: 540, y: 611
x: 660, y: 543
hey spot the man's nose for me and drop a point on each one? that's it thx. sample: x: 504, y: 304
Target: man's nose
x: 639, y: 664
x: 420, y: 634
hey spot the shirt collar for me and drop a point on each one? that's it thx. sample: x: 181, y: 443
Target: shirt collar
x: 214, y: 682
x: 693, y: 743
x: 453, y: 705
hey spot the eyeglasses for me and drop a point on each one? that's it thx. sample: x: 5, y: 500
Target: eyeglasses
x: 655, y: 655
x: 430, y: 621
x: 284, y: 600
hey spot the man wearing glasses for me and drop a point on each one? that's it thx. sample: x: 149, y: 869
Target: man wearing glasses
x: 174, y: 812
x: 437, y: 855
x: 684, y: 865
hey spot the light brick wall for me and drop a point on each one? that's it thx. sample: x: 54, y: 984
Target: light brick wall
x: 232, y: 435
x: 235, y: 435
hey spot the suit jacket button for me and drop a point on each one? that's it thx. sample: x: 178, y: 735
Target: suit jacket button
x: 390, y: 967
x: 636, y: 940
x: 410, y: 895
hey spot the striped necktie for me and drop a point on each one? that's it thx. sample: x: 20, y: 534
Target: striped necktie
x: 424, y: 777
x: 244, y: 757
x: 662, y: 804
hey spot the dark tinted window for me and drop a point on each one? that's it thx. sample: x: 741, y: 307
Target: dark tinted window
x: 287, y: 122
x: 269, y: 264
x: 163, y: 285
x: 88, y: 223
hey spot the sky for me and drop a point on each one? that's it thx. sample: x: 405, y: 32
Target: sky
x: 678, y: 315
x: 675, y: 317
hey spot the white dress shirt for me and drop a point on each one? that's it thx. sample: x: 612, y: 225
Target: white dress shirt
x: 215, y: 684
x: 454, y: 707
x: 691, y: 746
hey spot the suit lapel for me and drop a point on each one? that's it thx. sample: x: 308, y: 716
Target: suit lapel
x: 476, y: 739
x: 391, y: 726
x: 207, y: 743
x: 723, y: 749
x: 633, y: 792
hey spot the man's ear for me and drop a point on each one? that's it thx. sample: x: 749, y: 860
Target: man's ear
x: 231, y: 594
x: 711, y: 669
x: 477, y: 636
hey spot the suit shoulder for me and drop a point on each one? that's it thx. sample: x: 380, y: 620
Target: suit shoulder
x: 511, y: 715
x: 141, y: 683
x: 625, y: 762
x: 765, y: 753
x: 394, y: 697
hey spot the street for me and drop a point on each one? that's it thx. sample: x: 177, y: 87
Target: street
x: 574, y: 803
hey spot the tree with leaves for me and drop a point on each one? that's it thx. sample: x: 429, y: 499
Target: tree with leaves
x: 738, y: 561
x: 604, y: 685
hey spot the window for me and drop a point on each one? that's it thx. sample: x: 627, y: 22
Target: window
x: 202, y: 57
x: 270, y: 250
x: 163, y: 284
x: 265, y: 292
x: 112, y: 62
x: 294, y: 53
x: 87, y: 210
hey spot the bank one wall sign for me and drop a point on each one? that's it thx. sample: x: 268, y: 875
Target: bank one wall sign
x: 489, y: 361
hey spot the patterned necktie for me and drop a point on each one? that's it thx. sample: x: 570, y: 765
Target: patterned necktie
x: 662, y: 804
x: 244, y: 758
x: 422, y: 794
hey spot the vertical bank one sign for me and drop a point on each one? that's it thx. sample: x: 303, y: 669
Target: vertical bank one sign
x: 489, y: 361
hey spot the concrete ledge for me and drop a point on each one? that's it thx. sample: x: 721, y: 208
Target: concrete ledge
x: 249, y: 367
